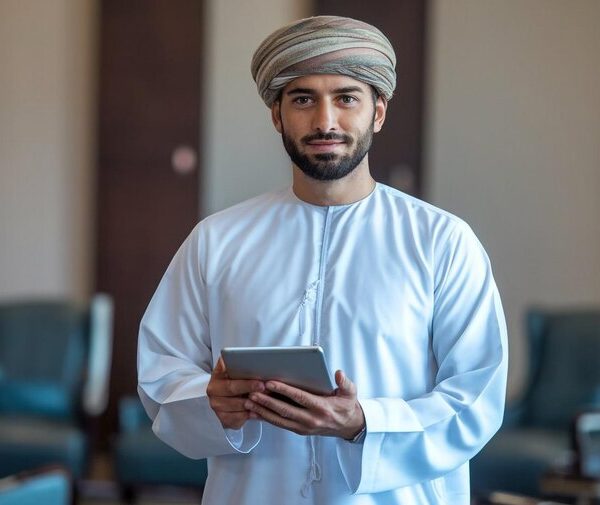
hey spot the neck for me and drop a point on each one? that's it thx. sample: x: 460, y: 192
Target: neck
x: 357, y: 185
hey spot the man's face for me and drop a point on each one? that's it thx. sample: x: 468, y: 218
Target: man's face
x: 327, y: 123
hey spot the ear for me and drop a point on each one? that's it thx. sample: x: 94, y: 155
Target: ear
x: 276, y: 115
x: 380, y: 111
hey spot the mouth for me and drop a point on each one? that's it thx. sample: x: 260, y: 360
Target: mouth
x: 324, y: 145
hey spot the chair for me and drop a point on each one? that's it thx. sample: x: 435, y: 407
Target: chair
x: 564, y: 379
x: 587, y: 444
x: 54, y: 367
x: 142, y: 459
x: 47, y: 486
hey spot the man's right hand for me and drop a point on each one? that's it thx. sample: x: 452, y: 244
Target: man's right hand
x: 228, y: 396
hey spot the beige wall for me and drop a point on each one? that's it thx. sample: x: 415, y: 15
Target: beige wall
x: 46, y: 151
x: 243, y: 155
x: 514, y: 144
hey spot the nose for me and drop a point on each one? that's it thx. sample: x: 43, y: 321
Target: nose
x: 324, y: 118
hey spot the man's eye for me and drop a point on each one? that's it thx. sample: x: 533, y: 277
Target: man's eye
x: 347, y: 99
x: 302, y: 100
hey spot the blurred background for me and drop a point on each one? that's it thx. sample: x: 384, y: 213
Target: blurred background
x: 124, y: 122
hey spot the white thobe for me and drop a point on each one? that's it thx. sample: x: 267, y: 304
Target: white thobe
x: 399, y: 294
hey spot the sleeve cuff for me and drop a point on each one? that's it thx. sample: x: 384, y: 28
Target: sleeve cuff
x: 246, y: 438
x: 352, y: 456
x: 358, y: 462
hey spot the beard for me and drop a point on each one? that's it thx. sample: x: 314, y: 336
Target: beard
x: 328, y: 166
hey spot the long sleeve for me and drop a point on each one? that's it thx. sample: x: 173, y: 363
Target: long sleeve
x: 410, y: 440
x: 175, y: 360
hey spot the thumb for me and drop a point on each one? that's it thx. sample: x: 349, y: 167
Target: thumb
x: 220, y: 366
x: 345, y: 386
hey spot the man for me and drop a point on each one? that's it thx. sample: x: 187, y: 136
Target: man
x: 398, y: 293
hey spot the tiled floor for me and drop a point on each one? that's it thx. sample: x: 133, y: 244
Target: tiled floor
x: 107, y: 493
x: 102, y: 489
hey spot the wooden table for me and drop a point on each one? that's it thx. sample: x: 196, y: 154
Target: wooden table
x: 585, y: 490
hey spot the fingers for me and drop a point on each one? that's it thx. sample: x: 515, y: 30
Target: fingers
x: 346, y: 387
x: 227, y: 396
x: 233, y: 420
x: 334, y: 415
x: 231, y: 388
x: 278, y: 413
x: 270, y: 408
x: 299, y: 396
x: 220, y: 366
x: 227, y: 404
x: 230, y: 411
x: 221, y: 385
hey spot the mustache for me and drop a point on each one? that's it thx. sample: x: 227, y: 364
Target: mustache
x: 327, y: 136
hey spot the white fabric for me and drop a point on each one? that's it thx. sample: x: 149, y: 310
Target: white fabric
x: 401, y: 297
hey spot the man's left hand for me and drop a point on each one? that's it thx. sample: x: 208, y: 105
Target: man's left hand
x: 338, y: 415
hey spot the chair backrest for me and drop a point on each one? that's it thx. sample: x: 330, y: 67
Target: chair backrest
x: 565, y: 370
x: 55, y: 357
x: 587, y: 443
x: 43, y: 347
x: 48, y: 487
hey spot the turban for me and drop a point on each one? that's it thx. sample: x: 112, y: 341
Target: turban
x: 324, y: 45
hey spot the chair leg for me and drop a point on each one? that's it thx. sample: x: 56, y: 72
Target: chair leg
x: 74, y: 492
x: 127, y: 494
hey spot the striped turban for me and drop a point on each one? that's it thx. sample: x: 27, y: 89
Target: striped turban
x: 324, y: 45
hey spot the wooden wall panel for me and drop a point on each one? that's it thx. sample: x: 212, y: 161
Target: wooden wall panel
x: 149, y: 105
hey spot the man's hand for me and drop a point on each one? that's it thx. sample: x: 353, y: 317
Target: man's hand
x: 227, y: 397
x: 338, y: 415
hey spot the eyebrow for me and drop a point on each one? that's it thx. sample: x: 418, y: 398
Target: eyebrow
x: 348, y: 89
x: 337, y: 91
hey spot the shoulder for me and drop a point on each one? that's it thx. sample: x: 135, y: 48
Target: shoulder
x: 416, y: 206
x: 246, y: 210
x: 244, y: 216
x: 427, y: 222
x: 231, y: 227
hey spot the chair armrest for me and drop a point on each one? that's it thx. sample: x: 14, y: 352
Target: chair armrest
x: 132, y: 415
x: 95, y: 390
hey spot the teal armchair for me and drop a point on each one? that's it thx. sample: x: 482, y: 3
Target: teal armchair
x: 54, y: 368
x: 564, y: 379
x: 142, y: 459
x: 47, y: 486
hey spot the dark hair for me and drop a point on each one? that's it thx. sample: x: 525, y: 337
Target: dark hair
x: 374, y: 94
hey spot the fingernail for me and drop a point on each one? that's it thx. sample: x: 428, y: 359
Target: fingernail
x: 248, y: 405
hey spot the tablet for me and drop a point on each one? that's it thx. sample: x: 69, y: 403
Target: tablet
x: 303, y: 367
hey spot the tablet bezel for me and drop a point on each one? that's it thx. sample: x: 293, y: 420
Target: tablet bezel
x: 300, y: 366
